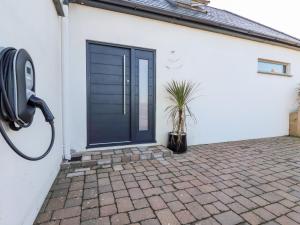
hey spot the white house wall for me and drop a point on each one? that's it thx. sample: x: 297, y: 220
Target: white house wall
x: 234, y: 103
x: 35, y: 26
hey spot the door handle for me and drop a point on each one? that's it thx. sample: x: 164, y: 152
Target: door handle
x: 124, y: 85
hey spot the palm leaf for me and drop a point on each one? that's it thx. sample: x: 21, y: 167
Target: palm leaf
x: 180, y: 94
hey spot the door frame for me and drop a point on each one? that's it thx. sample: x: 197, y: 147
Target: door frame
x: 133, y: 125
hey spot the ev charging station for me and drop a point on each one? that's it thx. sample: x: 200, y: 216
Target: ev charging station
x: 18, y: 101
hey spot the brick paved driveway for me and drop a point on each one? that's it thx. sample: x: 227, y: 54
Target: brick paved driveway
x: 246, y: 182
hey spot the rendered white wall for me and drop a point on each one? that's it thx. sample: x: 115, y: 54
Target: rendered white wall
x: 235, y: 101
x: 35, y: 26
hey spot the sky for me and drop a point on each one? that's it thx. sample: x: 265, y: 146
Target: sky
x: 281, y: 15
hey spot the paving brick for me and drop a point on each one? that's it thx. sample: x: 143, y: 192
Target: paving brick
x: 284, y: 220
x: 207, y: 188
x: 90, y: 193
x: 103, y: 181
x: 294, y: 216
x: 230, y: 192
x: 75, y: 194
x: 145, y: 184
x: 150, y: 222
x: 71, y: 221
x: 223, y: 197
x: 271, y: 223
x: 117, y: 167
x: 209, y: 221
x: 244, y: 192
x: 56, y: 203
x: 166, y: 217
x: 264, y: 214
x: 152, y: 191
x: 183, y: 185
x: 259, y: 201
x: 43, y: 217
x: 121, y: 193
x: 185, y: 217
x: 245, y: 202
x: 272, y: 197
x: 211, y: 209
x: 229, y: 218
x: 99, y: 221
x: 252, y: 218
x: 91, y: 178
x: 205, y: 199
x: 287, y: 203
x: 237, y: 208
x: 73, y: 202
x: 141, y: 214
x: 76, y: 174
x: 76, y: 186
x: 124, y: 204
x: 168, y: 197
x: 136, y: 193
x: 102, y: 162
x: 108, y: 210
x: 176, y: 206
x: 120, y: 219
x: 91, y: 203
x: 267, y: 187
x: 106, y: 199
x: 296, y: 194
x: 220, y: 206
x: 132, y: 184
x: 90, y: 185
x: 89, y: 214
x: 277, y: 209
x: 183, y: 196
x: 197, y: 210
x: 118, y: 185
x: 157, y: 203
x: 66, y: 213
x: 140, y: 203
x: 287, y: 196
x: 51, y: 223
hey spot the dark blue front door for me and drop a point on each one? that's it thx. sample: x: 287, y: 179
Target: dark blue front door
x: 120, y: 95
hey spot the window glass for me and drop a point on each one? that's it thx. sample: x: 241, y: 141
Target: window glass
x: 270, y: 67
x: 143, y: 94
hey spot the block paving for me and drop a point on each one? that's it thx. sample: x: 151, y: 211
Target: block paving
x: 108, y: 158
x: 244, y: 182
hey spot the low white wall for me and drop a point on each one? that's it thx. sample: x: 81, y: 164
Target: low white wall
x: 235, y: 101
x: 35, y: 26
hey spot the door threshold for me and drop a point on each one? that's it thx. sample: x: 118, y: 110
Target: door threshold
x: 121, y: 146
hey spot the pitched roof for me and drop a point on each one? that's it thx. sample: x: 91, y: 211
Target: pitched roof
x: 208, y: 16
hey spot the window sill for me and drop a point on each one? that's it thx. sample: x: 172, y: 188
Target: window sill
x: 275, y: 74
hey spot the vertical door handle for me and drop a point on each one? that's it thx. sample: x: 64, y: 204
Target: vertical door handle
x: 124, y: 84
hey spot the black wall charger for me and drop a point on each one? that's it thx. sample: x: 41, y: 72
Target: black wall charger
x: 17, y: 96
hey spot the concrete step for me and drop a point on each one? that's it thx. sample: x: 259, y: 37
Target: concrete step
x: 113, y: 157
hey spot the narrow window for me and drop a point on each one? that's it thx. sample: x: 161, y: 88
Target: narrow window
x: 273, y: 67
x: 143, y: 94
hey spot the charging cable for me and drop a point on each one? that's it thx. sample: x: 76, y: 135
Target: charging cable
x: 7, y: 70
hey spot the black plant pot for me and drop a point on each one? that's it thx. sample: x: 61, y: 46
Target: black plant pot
x: 175, y: 146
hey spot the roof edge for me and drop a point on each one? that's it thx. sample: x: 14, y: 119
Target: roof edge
x: 162, y: 15
x: 291, y: 36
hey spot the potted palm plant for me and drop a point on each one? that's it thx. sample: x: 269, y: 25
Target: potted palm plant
x: 180, y: 94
